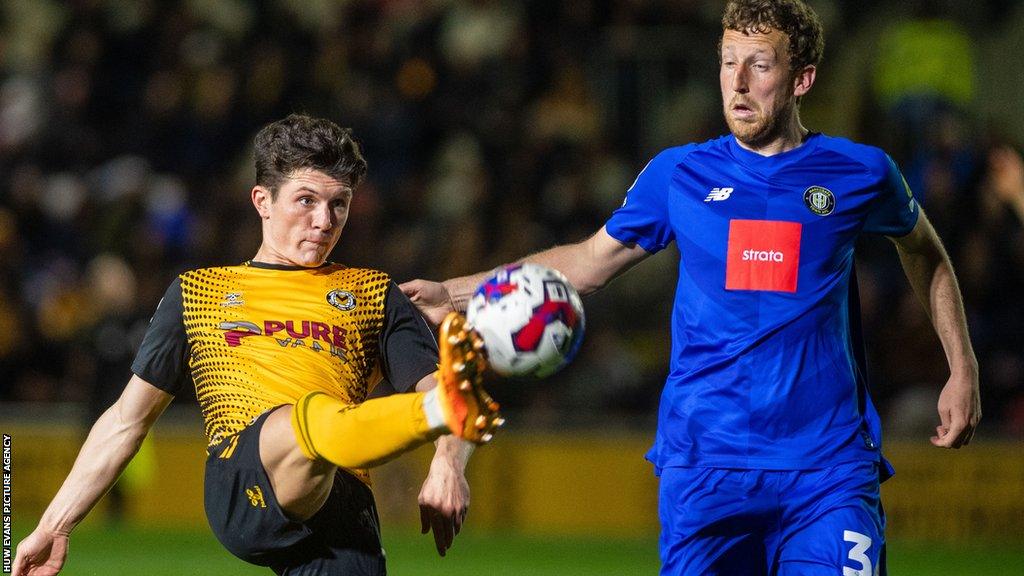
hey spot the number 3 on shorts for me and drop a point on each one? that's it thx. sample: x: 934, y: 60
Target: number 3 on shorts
x: 861, y: 543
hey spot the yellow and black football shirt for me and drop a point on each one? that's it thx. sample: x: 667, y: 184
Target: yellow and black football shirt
x: 256, y: 336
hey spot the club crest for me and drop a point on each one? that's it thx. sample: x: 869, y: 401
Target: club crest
x: 341, y: 299
x: 820, y: 200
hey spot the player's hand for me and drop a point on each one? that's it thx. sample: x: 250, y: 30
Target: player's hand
x: 444, y: 502
x: 959, y: 411
x: 431, y: 298
x: 42, y: 553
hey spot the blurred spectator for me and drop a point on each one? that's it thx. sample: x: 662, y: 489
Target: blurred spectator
x: 1006, y: 178
x: 494, y: 126
x: 924, y: 72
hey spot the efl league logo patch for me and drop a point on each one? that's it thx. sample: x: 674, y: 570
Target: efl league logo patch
x: 820, y: 200
x: 763, y: 255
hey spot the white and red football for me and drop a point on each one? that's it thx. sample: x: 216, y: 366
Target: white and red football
x: 530, y: 318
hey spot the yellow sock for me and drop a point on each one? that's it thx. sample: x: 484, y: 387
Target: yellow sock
x: 361, y: 435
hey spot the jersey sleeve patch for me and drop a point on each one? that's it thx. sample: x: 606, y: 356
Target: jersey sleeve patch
x: 894, y: 211
x: 763, y: 255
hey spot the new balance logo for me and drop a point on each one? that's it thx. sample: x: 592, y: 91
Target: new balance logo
x: 718, y: 194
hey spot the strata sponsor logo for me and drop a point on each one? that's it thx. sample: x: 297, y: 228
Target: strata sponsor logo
x: 316, y: 336
x: 718, y: 194
x: 341, y: 299
x: 232, y: 299
x: 763, y: 255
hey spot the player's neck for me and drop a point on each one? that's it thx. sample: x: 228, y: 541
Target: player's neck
x: 268, y: 255
x: 791, y: 136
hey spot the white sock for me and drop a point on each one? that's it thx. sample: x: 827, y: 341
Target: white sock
x: 432, y: 410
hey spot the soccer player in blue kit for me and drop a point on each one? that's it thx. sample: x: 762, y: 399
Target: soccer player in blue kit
x: 768, y: 447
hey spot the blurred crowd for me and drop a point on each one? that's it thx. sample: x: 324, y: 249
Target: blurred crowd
x: 492, y: 128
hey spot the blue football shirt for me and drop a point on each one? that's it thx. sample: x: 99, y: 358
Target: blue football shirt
x: 764, y: 372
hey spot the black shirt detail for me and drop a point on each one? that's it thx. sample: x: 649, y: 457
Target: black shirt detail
x: 163, y: 357
x: 269, y: 266
x: 408, y: 348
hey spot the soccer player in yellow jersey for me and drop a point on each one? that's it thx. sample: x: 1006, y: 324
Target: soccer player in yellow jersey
x: 283, y: 351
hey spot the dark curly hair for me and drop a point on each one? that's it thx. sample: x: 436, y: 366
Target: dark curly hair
x: 301, y: 141
x: 792, y: 17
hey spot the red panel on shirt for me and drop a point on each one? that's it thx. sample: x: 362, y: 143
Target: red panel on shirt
x: 763, y: 255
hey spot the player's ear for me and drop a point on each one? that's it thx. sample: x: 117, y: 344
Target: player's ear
x: 261, y: 199
x: 803, y: 79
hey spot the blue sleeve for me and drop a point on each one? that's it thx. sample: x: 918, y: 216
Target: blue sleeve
x: 644, y: 218
x: 894, y: 212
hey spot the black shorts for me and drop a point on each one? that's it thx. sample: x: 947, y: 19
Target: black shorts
x: 342, y: 538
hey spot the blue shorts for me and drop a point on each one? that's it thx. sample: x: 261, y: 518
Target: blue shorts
x: 731, y: 522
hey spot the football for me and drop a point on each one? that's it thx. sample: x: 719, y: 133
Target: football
x: 530, y: 319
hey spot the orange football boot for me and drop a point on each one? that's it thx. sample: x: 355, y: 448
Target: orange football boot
x: 469, y: 411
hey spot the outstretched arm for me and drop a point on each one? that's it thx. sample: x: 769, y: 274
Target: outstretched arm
x: 112, y: 442
x: 930, y: 272
x: 589, y: 265
x: 444, y: 497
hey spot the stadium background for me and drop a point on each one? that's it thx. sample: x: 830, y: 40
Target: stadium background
x: 492, y: 128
